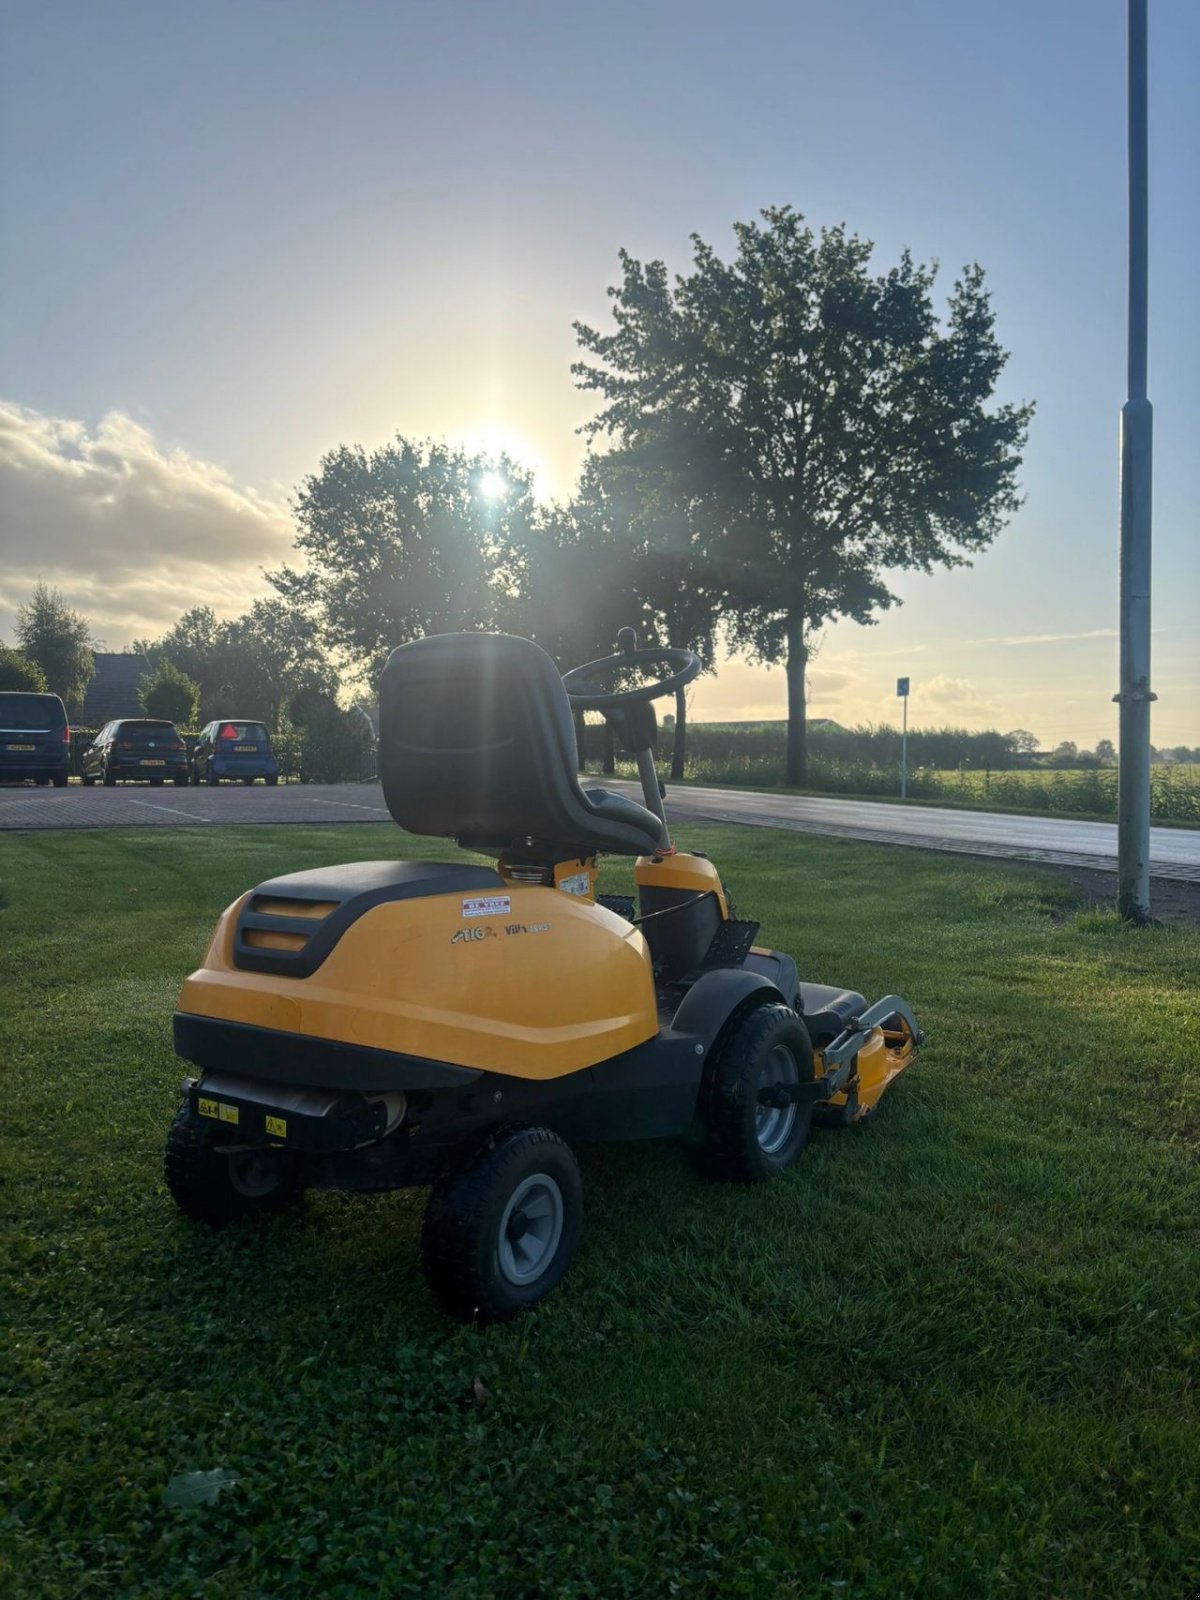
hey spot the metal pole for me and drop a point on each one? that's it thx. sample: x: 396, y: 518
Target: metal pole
x: 1133, y: 784
x: 904, y: 754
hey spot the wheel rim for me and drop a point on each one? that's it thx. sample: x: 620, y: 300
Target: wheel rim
x: 253, y: 1173
x: 530, y: 1229
x: 773, y: 1124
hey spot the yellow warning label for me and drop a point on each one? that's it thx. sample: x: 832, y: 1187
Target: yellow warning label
x: 277, y: 1126
x: 228, y: 1113
x: 207, y: 1108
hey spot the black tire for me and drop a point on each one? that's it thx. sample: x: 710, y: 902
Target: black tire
x: 247, y: 781
x: 471, y: 1223
x: 212, y: 778
x: 110, y: 779
x: 271, y: 782
x: 87, y: 780
x: 60, y: 780
x: 157, y: 783
x: 182, y: 781
x: 747, y: 1141
x: 216, y: 1188
x: 41, y: 782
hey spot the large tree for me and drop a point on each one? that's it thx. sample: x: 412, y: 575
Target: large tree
x: 809, y: 424
x: 60, y: 642
x: 410, y: 539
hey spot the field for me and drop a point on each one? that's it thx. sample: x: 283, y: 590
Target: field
x: 953, y: 1354
x: 751, y: 755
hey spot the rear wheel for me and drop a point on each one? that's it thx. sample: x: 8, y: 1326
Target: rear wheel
x: 502, y: 1231
x: 157, y: 783
x: 754, y: 1126
x: 217, y: 1187
x: 247, y: 780
x: 272, y: 781
x: 60, y: 780
x: 213, y: 780
x: 181, y: 782
x: 41, y: 782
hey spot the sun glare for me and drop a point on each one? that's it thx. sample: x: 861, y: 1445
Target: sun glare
x: 493, y: 486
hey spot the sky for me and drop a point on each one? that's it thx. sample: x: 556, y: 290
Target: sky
x: 236, y: 235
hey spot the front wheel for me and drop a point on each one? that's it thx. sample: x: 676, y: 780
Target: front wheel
x: 754, y: 1122
x: 219, y: 1187
x: 272, y: 781
x: 502, y: 1231
x: 110, y: 779
x: 87, y: 780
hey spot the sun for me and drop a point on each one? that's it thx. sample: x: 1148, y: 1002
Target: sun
x: 494, y: 486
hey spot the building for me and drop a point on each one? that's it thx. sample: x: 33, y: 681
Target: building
x: 113, y: 691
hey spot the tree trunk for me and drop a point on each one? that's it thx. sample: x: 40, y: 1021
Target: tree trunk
x: 679, y: 747
x: 610, y: 750
x: 796, y: 770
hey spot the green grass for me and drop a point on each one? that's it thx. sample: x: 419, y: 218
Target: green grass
x: 954, y: 1353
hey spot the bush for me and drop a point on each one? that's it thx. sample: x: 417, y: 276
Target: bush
x: 326, y: 744
x: 18, y: 672
x: 168, y: 693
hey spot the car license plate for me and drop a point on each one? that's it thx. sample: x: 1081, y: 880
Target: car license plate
x: 20, y: 747
x: 245, y: 749
x: 152, y: 763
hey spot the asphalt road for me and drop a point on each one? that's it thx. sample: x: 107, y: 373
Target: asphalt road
x: 1058, y: 841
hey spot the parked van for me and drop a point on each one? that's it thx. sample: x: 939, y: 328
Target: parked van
x: 35, y: 741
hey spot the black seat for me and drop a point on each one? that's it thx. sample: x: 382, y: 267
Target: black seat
x: 476, y: 741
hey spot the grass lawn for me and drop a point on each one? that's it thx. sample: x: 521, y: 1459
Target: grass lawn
x: 954, y: 1353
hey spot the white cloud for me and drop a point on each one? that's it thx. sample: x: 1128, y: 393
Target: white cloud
x: 132, y: 533
x: 1047, y: 638
x: 942, y: 695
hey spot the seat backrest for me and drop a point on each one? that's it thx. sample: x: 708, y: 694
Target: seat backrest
x: 476, y: 741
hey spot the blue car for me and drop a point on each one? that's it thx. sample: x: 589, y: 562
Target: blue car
x: 232, y: 749
x: 35, y: 741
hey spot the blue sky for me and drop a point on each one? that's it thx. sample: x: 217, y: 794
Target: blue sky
x: 235, y: 235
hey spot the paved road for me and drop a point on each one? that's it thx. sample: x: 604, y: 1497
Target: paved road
x: 1174, y: 852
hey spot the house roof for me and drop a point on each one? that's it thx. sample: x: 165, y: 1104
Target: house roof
x: 113, y: 691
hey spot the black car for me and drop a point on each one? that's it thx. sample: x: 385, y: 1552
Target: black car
x: 35, y: 741
x: 136, y: 747
x: 233, y: 748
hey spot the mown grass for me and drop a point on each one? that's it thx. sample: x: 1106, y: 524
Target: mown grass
x: 954, y: 1353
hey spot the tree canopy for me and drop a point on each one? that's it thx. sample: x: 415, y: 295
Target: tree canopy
x: 166, y: 692
x: 416, y: 537
x: 60, y: 642
x: 18, y: 672
x: 796, y: 427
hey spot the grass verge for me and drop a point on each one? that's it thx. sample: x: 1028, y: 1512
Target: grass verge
x: 954, y: 1353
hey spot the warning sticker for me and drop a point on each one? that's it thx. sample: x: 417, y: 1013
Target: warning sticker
x: 487, y: 905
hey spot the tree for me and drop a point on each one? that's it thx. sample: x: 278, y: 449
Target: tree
x: 267, y: 658
x: 1064, y: 754
x: 1023, y: 742
x: 17, y: 672
x: 250, y: 666
x: 411, y: 539
x: 812, y: 425
x: 167, y: 693
x: 1106, y: 753
x: 60, y: 641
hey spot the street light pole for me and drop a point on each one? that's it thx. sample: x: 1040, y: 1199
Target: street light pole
x: 1133, y: 794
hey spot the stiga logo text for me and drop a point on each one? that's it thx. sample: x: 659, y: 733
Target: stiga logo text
x: 472, y: 935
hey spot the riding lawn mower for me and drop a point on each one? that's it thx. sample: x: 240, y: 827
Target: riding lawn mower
x: 459, y: 1026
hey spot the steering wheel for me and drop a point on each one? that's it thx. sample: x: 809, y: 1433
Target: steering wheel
x: 584, y: 695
